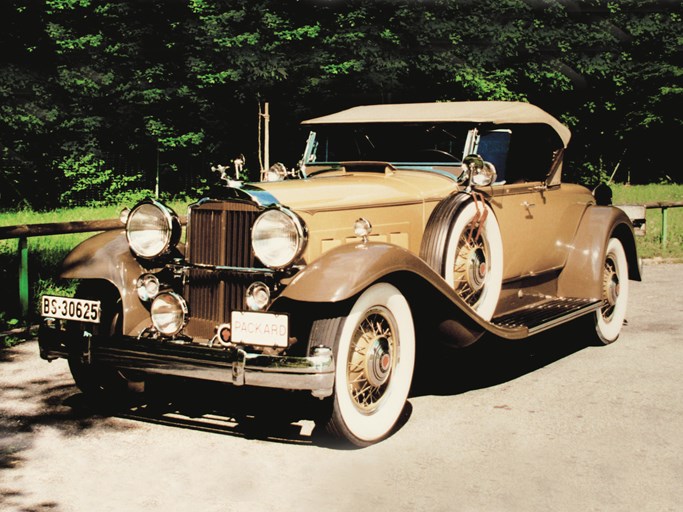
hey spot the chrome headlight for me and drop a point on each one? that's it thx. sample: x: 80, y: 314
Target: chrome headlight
x: 278, y: 238
x: 169, y: 313
x: 152, y: 229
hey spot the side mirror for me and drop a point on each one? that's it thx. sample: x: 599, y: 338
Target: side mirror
x: 481, y: 173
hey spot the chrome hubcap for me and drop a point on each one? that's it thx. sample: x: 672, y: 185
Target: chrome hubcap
x: 378, y: 362
x: 476, y: 271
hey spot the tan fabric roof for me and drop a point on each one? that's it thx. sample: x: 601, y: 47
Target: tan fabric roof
x: 496, y: 112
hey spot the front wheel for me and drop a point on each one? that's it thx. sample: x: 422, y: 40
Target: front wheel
x: 375, y: 358
x: 100, y: 382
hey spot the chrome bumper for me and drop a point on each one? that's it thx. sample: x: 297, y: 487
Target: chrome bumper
x: 235, y: 366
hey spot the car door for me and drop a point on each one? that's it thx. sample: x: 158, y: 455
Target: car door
x: 537, y: 225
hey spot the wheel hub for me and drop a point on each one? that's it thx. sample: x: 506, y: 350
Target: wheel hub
x: 476, y: 269
x: 611, y: 286
x: 378, y: 361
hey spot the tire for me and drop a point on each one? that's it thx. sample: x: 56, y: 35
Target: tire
x: 473, y: 259
x: 374, y: 349
x: 100, y: 382
x: 609, y: 319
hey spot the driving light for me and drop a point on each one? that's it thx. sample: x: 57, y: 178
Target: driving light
x: 258, y: 296
x: 147, y: 286
x: 152, y: 229
x: 278, y: 238
x: 169, y: 313
x: 485, y: 176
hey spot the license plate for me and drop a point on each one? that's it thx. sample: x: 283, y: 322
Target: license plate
x: 263, y: 329
x: 70, y: 309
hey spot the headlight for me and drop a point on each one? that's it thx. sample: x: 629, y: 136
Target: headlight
x: 152, y: 229
x: 169, y: 313
x: 278, y: 238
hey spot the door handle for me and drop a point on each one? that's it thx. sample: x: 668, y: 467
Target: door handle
x: 527, y: 204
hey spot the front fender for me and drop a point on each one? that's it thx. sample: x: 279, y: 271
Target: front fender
x: 107, y: 256
x: 582, y: 274
x: 347, y: 270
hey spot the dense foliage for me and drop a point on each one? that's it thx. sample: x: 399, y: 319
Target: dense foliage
x: 97, y: 96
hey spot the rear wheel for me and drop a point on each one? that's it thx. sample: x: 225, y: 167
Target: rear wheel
x: 374, y: 361
x: 610, y: 318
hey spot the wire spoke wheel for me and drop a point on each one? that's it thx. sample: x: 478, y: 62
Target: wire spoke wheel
x: 473, y: 260
x: 372, y: 356
x: 471, y: 264
x: 609, y: 319
x: 374, y: 348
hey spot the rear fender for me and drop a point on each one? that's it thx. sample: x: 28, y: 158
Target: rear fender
x: 582, y: 274
x: 107, y: 256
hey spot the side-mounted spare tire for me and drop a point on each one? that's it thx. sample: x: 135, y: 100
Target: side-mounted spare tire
x: 462, y: 242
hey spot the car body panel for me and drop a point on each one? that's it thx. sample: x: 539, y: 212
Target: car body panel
x: 107, y: 256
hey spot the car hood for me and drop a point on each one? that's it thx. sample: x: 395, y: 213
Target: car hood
x: 341, y: 191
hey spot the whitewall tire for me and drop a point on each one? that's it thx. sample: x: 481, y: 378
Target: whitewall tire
x: 610, y: 318
x: 375, y: 358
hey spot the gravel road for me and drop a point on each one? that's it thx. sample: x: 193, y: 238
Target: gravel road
x: 548, y: 424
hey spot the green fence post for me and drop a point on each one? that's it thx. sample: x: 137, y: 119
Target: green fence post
x: 664, y: 227
x: 23, y: 277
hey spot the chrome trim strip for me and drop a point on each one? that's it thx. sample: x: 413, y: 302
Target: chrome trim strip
x: 565, y: 318
x: 223, y: 268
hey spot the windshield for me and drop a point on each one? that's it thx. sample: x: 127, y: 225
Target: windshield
x: 394, y: 143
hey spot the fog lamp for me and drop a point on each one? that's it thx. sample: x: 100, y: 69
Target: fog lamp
x: 169, y: 313
x: 147, y: 287
x: 258, y: 296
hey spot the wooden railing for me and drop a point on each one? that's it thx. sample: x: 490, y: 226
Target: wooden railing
x: 636, y: 213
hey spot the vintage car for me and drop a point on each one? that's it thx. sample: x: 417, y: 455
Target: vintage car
x: 410, y: 224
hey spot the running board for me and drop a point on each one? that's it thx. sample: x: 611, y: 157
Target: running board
x: 546, y: 314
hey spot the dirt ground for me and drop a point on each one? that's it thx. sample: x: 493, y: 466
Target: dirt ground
x: 547, y: 424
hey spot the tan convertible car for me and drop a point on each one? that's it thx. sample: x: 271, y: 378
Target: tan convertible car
x: 406, y: 224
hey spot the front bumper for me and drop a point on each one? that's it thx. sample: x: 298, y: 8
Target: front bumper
x: 231, y: 365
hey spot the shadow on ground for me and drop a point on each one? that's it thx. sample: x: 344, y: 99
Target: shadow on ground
x: 492, y: 361
x: 262, y: 414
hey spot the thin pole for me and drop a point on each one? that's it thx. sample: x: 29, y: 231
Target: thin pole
x: 23, y: 278
x: 665, y: 227
x: 266, y: 136
x: 156, y: 184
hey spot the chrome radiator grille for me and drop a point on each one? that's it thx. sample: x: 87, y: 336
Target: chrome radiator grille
x: 218, y: 234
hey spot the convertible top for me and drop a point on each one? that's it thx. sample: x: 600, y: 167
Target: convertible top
x: 495, y: 112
